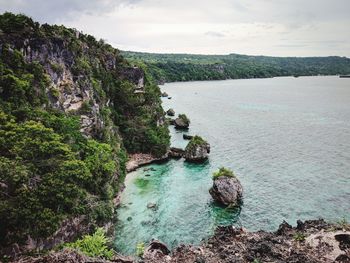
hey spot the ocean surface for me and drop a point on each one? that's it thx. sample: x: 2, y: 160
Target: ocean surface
x: 287, y: 140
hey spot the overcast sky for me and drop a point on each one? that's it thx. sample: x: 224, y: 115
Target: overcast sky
x: 257, y: 27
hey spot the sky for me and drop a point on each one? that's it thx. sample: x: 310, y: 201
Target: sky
x: 253, y: 27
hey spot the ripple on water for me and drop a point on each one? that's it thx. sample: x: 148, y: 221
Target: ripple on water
x: 288, y: 143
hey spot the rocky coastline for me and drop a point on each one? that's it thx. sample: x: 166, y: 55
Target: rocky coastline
x: 310, y: 241
x: 138, y: 160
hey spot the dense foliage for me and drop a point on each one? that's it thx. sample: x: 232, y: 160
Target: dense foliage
x: 95, y: 245
x: 50, y: 168
x: 194, y: 142
x: 185, y: 67
x: 223, y: 172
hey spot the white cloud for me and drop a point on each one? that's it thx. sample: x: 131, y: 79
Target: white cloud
x: 269, y: 27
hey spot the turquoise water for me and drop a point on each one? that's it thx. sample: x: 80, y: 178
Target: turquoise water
x: 287, y: 139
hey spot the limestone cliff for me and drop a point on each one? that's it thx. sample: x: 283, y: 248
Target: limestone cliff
x: 51, y: 76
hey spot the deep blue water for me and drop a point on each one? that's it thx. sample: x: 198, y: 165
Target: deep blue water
x: 287, y: 140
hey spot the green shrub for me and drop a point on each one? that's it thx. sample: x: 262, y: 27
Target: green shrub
x: 93, y: 245
x: 194, y: 142
x: 298, y: 236
x: 140, y: 249
x: 56, y: 67
x: 223, y: 172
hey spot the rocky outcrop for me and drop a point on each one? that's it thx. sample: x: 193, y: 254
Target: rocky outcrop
x: 176, y: 153
x: 134, y: 75
x: 182, y: 122
x: 170, y: 112
x: 156, y: 250
x: 313, y: 241
x: 187, y: 137
x: 141, y: 159
x: 197, y: 150
x: 288, y: 244
x: 73, y: 256
x: 227, y: 190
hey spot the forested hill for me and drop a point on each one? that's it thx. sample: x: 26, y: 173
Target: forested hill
x: 71, y: 108
x: 185, y: 67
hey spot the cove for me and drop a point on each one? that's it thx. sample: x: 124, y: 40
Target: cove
x: 287, y: 139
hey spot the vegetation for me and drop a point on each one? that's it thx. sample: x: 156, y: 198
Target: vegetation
x: 186, y: 67
x: 194, y: 143
x: 300, y: 237
x: 185, y: 119
x: 223, y: 172
x: 93, y: 245
x: 140, y: 249
x: 49, y: 170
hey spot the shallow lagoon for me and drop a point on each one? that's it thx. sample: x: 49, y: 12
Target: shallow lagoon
x: 287, y: 139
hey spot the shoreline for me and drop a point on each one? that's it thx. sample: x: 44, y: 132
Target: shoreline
x: 204, y: 80
x: 139, y: 160
x: 313, y: 241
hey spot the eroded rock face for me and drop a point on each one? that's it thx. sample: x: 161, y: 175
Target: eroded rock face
x: 136, y: 76
x: 227, y: 190
x: 176, y: 152
x: 197, y: 150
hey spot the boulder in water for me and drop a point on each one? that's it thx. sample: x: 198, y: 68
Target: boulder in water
x: 187, y: 137
x: 164, y: 95
x: 182, y: 122
x: 170, y: 112
x: 152, y: 206
x: 197, y: 150
x: 226, y: 188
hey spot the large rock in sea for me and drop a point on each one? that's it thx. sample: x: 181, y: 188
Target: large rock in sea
x: 226, y: 188
x: 182, y: 122
x: 170, y: 112
x: 197, y: 150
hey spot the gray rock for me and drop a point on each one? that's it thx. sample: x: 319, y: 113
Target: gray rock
x: 152, y: 206
x: 164, y: 95
x: 170, y: 112
x: 197, y: 150
x: 187, y: 137
x: 154, y: 250
x: 180, y: 124
x: 176, y: 152
x: 227, y: 190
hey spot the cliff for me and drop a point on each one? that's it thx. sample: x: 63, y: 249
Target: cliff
x: 71, y: 109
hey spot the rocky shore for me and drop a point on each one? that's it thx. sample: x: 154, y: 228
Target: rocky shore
x: 310, y: 241
x: 138, y: 160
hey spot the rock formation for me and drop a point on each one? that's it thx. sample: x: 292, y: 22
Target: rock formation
x: 197, y: 150
x: 176, y: 152
x: 226, y: 190
x: 170, y: 112
x: 187, y: 137
x: 182, y: 122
